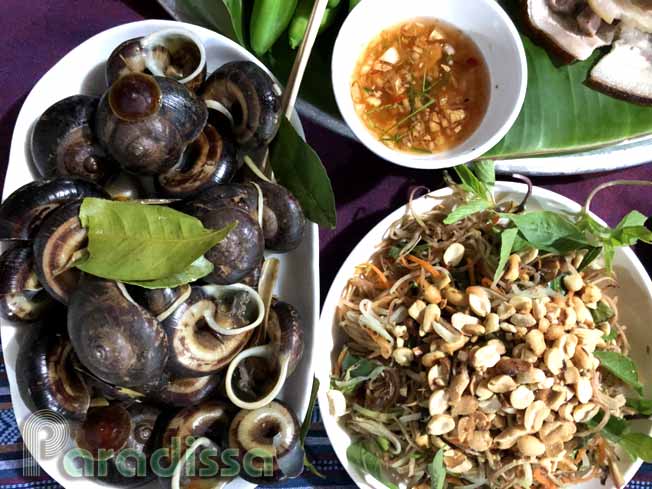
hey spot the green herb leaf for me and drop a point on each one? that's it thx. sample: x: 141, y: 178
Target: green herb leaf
x: 506, y: 244
x: 394, y: 252
x: 614, y: 429
x: 557, y: 284
x: 359, y: 456
x: 590, y: 256
x: 638, y: 445
x: 641, y: 406
x: 437, y: 471
x: 128, y: 241
x: 602, y: 313
x: 472, y: 184
x: 224, y: 16
x: 465, y: 210
x: 298, y: 168
x: 620, y: 366
x: 485, y: 171
x: 355, y: 371
x: 383, y: 443
x: 197, y: 269
x: 611, y: 336
x: 549, y: 231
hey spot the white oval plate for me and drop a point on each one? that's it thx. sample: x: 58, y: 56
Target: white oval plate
x: 82, y: 71
x: 635, y: 310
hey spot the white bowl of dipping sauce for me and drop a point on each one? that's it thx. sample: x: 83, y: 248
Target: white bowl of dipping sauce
x: 479, y: 24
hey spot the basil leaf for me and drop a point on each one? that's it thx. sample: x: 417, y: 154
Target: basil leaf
x: 634, y: 218
x: 506, y: 244
x: 590, y: 256
x: 641, y: 406
x: 299, y: 169
x: 485, y: 171
x: 637, y: 445
x: 549, y: 231
x: 620, y: 366
x: 630, y: 235
x: 356, y: 370
x: 383, y: 443
x: 129, y: 241
x: 394, y: 252
x: 465, y: 210
x: 557, y: 284
x: 601, y: 313
x: 197, y: 269
x: 471, y: 183
x: 358, y: 455
x: 437, y: 471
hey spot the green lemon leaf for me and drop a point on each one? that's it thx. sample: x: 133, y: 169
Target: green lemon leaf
x: 299, y: 169
x: 620, y: 366
x: 129, y: 241
x: 465, y: 210
x: 437, y: 471
x: 359, y: 456
x: 196, y: 270
x: 602, y: 313
x: 507, y: 239
x: 641, y: 406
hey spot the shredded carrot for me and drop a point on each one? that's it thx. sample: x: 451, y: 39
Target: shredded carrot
x: 381, y: 276
x: 542, y: 478
x: 486, y: 282
x: 337, y: 370
x: 471, y: 266
x: 602, y: 452
x: 580, y: 454
x: 425, y: 265
x: 402, y: 261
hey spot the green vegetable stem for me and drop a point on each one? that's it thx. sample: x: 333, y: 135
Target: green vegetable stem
x: 268, y: 21
x: 299, y: 23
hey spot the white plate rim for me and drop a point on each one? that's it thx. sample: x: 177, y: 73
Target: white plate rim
x: 362, y: 249
x: 18, y: 156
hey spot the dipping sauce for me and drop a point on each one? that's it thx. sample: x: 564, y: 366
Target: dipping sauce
x: 422, y: 86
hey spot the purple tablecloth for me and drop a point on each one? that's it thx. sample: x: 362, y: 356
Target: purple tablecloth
x: 35, y: 34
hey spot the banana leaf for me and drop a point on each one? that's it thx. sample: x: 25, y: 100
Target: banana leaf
x: 562, y: 114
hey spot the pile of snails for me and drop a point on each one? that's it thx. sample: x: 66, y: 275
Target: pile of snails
x: 131, y: 367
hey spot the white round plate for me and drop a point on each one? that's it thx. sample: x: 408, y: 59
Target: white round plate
x: 82, y: 71
x: 635, y: 294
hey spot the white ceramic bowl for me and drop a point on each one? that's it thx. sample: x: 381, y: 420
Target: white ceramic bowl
x: 82, y: 71
x: 635, y: 299
x: 485, y: 22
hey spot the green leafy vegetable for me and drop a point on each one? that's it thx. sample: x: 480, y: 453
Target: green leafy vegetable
x: 562, y: 114
x: 359, y: 456
x: 618, y: 431
x: 437, y: 470
x: 356, y: 371
x: 557, y: 284
x: 485, y: 170
x: 641, y: 406
x: 613, y: 430
x: 590, y: 256
x: 620, y: 366
x: 472, y: 184
x: 602, y: 313
x: 298, y: 168
x: 197, y: 269
x: 506, y: 244
x: 129, y: 241
x: 638, y: 445
x: 611, y: 336
x: 224, y: 16
x: 549, y: 231
x: 383, y: 443
x: 465, y: 210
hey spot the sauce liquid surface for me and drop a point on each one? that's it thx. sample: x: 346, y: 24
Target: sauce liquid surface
x: 421, y: 86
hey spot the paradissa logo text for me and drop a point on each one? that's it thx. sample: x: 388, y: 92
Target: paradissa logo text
x: 205, y: 461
